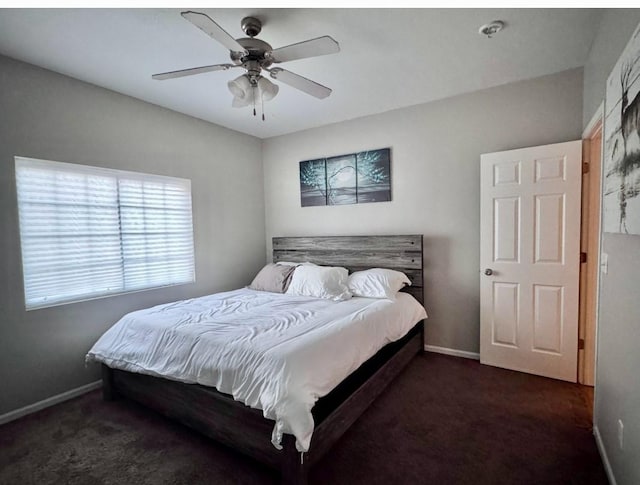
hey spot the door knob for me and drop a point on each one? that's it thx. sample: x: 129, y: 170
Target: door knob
x: 488, y: 271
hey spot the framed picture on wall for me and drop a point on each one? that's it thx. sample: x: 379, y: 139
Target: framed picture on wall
x: 342, y: 180
x: 374, y: 176
x: 313, y: 182
x: 621, y: 189
x: 355, y: 178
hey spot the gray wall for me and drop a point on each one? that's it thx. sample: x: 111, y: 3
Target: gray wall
x: 436, y: 151
x: 618, y: 358
x: 50, y: 116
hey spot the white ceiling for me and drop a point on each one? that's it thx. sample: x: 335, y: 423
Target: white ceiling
x: 390, y: 58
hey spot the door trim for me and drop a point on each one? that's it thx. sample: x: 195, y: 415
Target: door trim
x: 590, y: 272
x: 597, y: 118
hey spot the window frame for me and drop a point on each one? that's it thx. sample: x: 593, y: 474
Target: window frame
x: 78, y: 168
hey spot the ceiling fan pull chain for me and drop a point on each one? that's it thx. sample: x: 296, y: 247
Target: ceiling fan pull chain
x: 262, y: 103
x: 254, y: 100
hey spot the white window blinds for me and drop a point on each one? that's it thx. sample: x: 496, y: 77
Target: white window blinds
x: 88, y: 232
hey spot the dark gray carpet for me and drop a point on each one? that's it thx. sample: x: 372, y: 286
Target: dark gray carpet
x: 443, y: 421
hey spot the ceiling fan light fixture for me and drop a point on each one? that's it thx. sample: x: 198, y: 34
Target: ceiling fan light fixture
x: 246, y: 93
x: 240, y: 102
x: 240, y: 87
x: 267, y: 89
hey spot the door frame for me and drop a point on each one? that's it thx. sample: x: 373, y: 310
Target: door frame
x: 590, y: 243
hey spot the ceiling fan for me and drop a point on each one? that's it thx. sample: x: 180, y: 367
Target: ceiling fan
x: 255, y: 55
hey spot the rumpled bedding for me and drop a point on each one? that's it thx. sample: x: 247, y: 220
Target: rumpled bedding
x: 275, y: 352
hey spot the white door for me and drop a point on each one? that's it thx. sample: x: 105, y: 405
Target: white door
x: 530, y: 259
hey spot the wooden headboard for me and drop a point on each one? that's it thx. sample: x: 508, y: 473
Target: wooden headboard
x: 402, y: 253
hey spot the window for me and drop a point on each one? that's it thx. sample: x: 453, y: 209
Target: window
x: 88, y: 232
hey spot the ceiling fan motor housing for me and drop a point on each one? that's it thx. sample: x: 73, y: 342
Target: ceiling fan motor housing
x: 256, y: 50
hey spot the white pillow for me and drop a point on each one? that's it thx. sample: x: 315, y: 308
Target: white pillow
x: 328, y: 282
x: 377, y: 283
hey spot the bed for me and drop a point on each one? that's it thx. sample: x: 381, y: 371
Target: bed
x: 217, y: 415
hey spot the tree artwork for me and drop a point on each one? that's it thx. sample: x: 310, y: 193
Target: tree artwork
x: 313, y: 182
x: 341, y: 180
x: 374, y: 176
x: 622, y: 143
x: 346, y: 179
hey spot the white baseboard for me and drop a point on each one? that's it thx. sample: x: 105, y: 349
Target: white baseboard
x: 65, y: 396
x: 454, y: 352
x: 603, y: 455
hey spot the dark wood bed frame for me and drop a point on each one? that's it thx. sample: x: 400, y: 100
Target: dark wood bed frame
x: 230, y: 422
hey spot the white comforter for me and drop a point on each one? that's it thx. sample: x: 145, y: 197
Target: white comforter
x: 278, y: 353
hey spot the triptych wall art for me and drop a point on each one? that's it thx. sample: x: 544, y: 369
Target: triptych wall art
x: 356, y: 178
x: 621, y: 190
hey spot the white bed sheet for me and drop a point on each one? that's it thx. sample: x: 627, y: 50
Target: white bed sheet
x: 278, y: 353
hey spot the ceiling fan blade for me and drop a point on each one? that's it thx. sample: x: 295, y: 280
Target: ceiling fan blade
x: 309, y: 48
x: 213, y: 30
x: 190, y: 72
x: 302, y: 83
